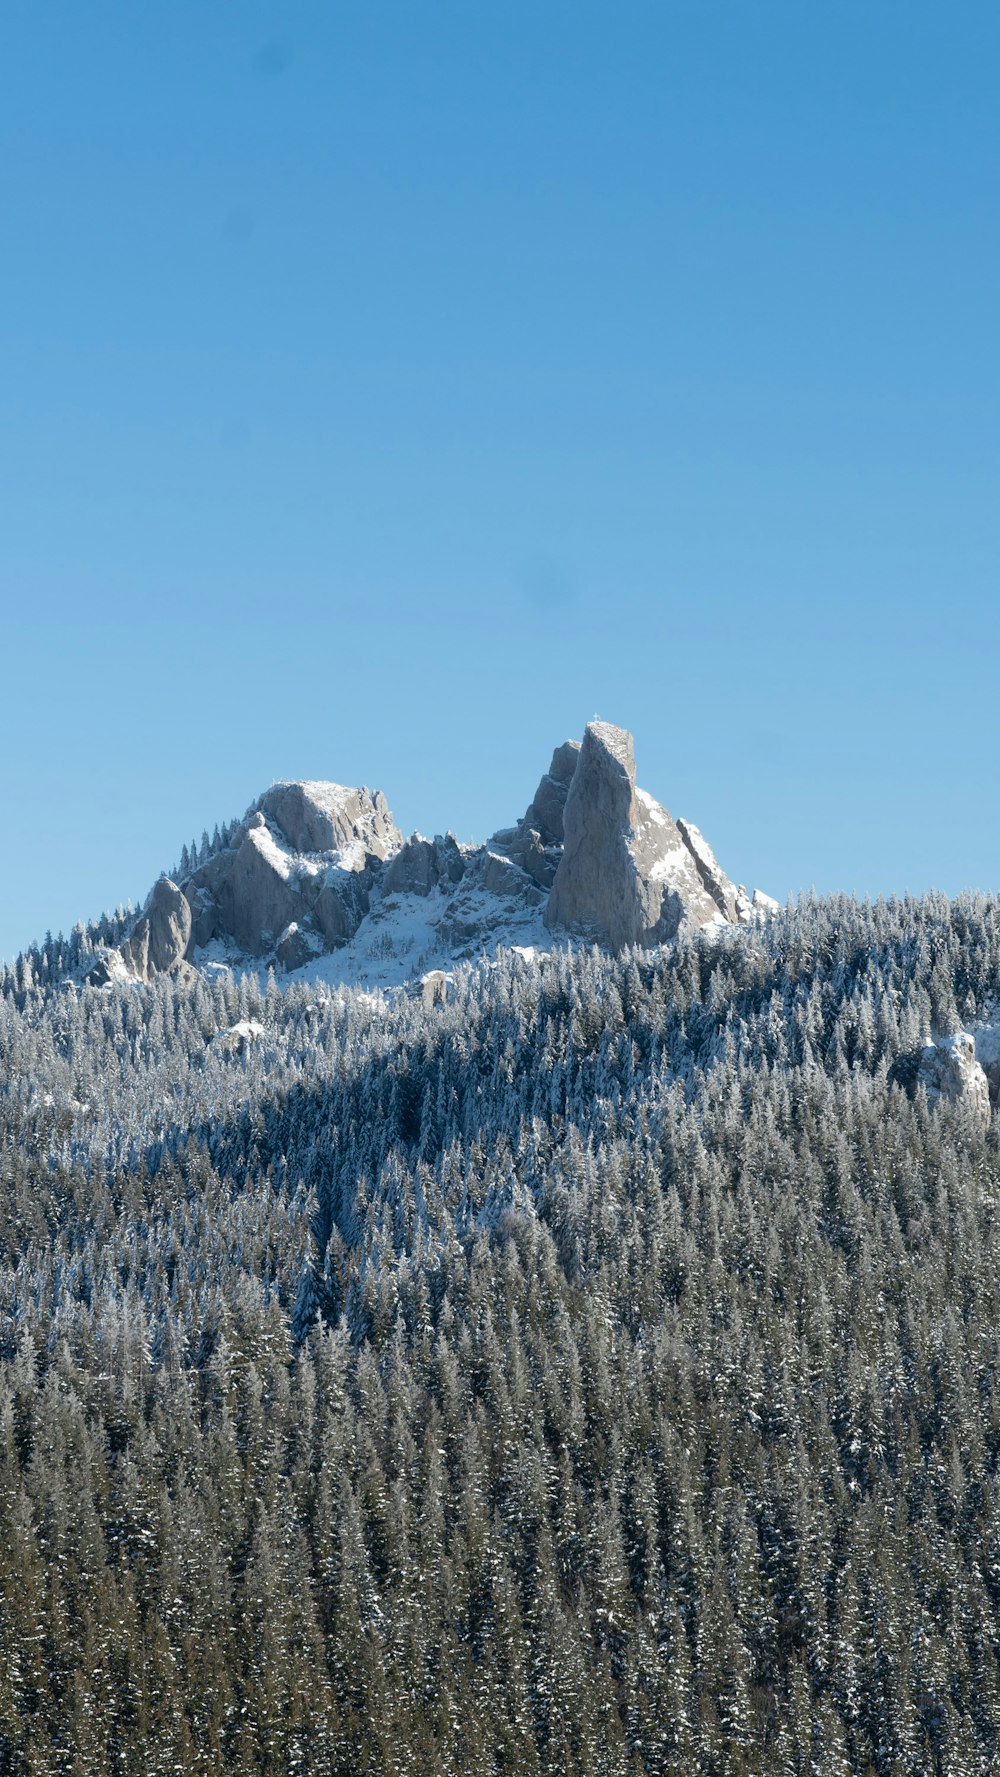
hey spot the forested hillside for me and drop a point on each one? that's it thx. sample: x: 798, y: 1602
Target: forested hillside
x: 594, y: 1374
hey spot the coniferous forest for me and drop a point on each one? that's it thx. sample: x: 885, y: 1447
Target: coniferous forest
x: 596, y: 1374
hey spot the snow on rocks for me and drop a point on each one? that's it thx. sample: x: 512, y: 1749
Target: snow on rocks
x: 948, y: 1069
x: 434, y: 987
x: 988, y: 1057
x: 318, y: 882
x: 626, y: 872
x: 321, y: 817
x: 239, y: 1036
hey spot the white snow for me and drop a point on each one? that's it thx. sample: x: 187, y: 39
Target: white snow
x: 656, y: 812
x: 331, y: 798
x: 282, y: 861
x: 407, y: 935
x: 352, y: 856
x: 246, y: 1031
x: 673, y: 863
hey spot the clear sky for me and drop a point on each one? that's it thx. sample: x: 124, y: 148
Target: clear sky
x: 388, y: 387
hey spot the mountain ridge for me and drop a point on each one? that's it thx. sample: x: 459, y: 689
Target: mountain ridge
x: 317, y: 881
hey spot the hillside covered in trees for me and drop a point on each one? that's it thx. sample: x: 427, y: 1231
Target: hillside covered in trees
x: 595, y: 1374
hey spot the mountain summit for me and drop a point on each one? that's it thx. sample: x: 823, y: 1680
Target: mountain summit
x: 317, y: 877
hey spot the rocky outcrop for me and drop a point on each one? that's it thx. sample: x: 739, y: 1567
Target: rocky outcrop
x: 260, y: 892
x: 424, y: 864
x: 239, y: 1037
x: 342, y: 902
x: 109, y: 969
x: 161, y: 934
x: 294, y: 879
x: 727, y: 897
x: 306, y: 855
x: 434, y: 988
x: 501, y: 875
x: 545, y: 811
x: 535, y: 844
x: 295, y: 947
x: 988, y: 1057
x: 626, y: 874
x: 318, y: 817
x: 948, y: 1069
x: 157, y: 945
x: 313, y: 863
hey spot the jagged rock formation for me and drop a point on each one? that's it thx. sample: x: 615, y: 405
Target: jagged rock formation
x: 294, y: 881
x: 434, y: 988
x: 158, y: 943
x: 161, y: 936
x: 948, y: 1069
x: 627, y: 871
x: 317, y: 868
x: 732, y: 902
x: 545, y: 811
x: 320, y: 817
x: 535, y: 844
x: 988, y: 1057
x: 423, y: 864
x: 306, y: 855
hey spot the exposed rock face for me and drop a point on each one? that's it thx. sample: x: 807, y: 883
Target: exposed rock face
x: 157, y: 945
x: 161, y: 934
x: 434, y: 988
x: 294, y: 947
x: 948, y: 1068
x: 725, y: 894
x: 306, y: 855
x: 295, y: 879
x: 258, y: 895
x: 422, y: 864
x: 109, y: 970
x: 625, y: 873
x: 342, y: 903
x: 502, y: 876
x: 988, y: 1057
x: 545, y: 811
x: 315, y: 867
x: 317, y: 817
x: 535, y: 844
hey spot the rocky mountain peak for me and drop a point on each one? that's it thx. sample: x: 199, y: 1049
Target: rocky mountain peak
x: 323, y: 817
x: 545, y: 810
x: 629, y: 873
x: 319, y: 870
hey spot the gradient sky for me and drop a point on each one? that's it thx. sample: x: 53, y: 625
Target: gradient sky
x: 387, y: 388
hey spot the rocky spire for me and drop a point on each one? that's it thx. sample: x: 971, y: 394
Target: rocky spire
x: 627, y: 873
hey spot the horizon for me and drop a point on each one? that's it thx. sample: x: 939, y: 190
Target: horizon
x: 792, y: 899
x: 385, y: 394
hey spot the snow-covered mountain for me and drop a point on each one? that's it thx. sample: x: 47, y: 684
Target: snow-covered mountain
x: 318, y: 882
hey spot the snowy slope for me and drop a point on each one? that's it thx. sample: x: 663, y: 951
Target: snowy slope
x: 406, y: 935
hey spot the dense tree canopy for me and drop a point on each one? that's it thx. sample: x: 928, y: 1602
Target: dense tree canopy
x: 596, y: 1374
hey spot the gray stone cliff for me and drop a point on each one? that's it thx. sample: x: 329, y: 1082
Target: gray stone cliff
x: 312, y: 861
x: 626, y: 874
x: 949, y: 1069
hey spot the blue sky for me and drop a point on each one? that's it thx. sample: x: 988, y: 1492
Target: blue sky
x: 386, y: 389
